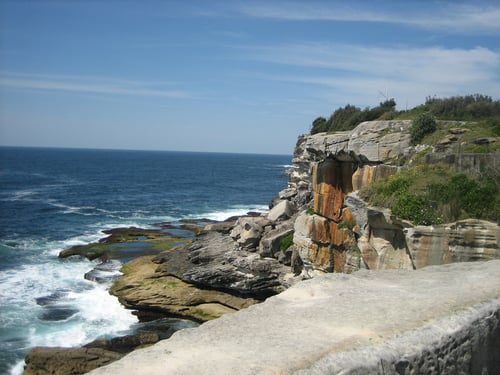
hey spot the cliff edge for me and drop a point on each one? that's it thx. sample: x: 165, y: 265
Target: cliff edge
x: 440, y: 319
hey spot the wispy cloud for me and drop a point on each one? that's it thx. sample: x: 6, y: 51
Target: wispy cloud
x: 453, y: 16
x: 93, y: 85
x: 359, y: 71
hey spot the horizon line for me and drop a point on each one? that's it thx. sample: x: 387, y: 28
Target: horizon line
x: 83, y: 148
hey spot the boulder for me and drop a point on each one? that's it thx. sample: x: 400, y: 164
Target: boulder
x: 282, y: 211
x: 269, y: 245
x: 287, y: 194
x: 248, y: 231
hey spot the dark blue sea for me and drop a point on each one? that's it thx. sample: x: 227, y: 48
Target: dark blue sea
x: 51, y: 199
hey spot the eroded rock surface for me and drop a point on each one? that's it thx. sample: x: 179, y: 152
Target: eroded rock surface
x: 337, y: 231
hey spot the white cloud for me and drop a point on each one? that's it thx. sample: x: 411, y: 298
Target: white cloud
x: 82, y: 84
x: 360, y: 72
x: 452, y: 16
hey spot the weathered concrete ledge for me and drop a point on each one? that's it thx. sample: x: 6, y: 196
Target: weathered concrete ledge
x: 439, y: 319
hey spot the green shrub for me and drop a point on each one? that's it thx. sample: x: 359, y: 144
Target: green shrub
x: 415, y: 208
x: 465, y: 197
x: 310, y: 211
x: 424, y: 123
x: 468, y: 107
x: 286, y: 242
x: 396, y: 184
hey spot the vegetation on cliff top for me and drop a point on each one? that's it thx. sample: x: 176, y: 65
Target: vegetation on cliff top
x: 458, y: 108
x: 429, y: 194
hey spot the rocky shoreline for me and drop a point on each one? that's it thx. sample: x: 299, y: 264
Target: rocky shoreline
x: 317, y: 225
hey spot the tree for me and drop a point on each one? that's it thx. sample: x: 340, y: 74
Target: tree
x: 319, y: 125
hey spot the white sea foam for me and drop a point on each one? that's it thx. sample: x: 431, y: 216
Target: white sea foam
x: 235, y: 211
x: 60, y: 285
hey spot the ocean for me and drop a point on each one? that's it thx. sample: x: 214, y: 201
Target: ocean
x: 52, y: 199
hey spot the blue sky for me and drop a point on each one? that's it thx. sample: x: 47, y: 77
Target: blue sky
x: 228, y: 76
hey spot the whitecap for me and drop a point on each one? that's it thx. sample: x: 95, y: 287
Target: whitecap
x: 230, y: 212
x: 19, y: 195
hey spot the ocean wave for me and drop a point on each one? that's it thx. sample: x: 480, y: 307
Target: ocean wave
x: 222, y: 215
x: 49, y: 303
x: 18, y: 195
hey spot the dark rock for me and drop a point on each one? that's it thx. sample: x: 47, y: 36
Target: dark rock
x: 51, y: 298
x: 270, y: 243
x: 74, y: 361
x: 150, y: 288
x: 105, y: 272
x: 67, y: 361
x: 54, y: 313
x: 125, y: 344
x: 214, y: 261
x: 485, y: 140
x: 54, y: 308
x: 164, y: 327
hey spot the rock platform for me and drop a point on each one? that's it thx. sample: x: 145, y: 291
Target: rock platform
x: 438, y: 319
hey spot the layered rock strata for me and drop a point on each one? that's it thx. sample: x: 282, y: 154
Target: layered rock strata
x: 369, y: 322
x: 340, y: 233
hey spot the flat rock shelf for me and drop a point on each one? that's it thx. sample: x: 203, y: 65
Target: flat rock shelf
x: 439, y: 319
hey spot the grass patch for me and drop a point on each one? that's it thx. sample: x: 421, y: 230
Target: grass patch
x: 202, y: 314
x: 348, y: 224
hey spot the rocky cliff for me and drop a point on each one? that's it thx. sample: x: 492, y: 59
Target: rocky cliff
x: 337, y: 231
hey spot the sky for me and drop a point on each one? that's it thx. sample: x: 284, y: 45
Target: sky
x: 228, y: 76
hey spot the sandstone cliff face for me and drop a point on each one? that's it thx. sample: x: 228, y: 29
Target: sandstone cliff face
x: 342, y: 234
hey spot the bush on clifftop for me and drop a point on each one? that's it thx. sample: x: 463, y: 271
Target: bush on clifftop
x: 428, y: 195
x: 348, y: 117
x: 424, y: 124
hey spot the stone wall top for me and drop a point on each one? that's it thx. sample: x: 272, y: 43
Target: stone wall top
x: 427, y: 319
